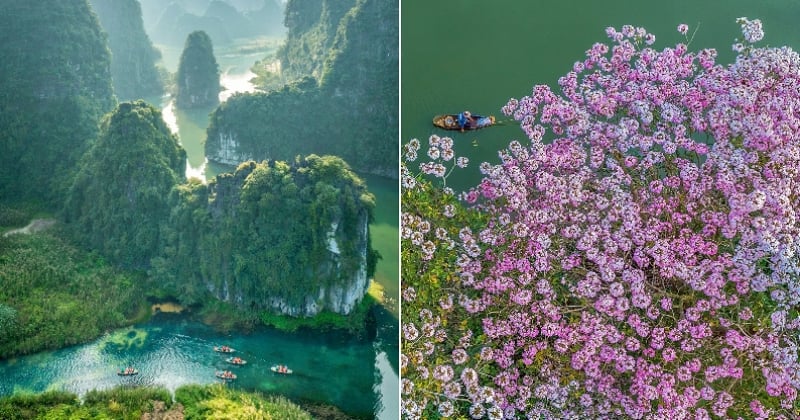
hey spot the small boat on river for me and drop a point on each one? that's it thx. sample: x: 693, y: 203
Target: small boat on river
x: 236, y: 361
x: 225, y: 375
x: 282, y: 369
x: 450, y: 122
x: 223, y: 349
x: 128, y: 371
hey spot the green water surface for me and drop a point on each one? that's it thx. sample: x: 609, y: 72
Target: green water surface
x: 475, y: 55
x: 171, y: 350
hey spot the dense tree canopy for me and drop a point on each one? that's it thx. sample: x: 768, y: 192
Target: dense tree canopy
x: 198, y: 73
x: 55, y: 86
x: 133, y: 56
x: 119, y: 197
x: 263, y: 232
x: 350, y: 112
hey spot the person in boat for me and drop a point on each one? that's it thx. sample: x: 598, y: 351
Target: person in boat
x: 465, y: 120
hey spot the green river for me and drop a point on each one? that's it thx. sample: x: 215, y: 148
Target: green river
x: 475, y: 55
x: 359, y: 376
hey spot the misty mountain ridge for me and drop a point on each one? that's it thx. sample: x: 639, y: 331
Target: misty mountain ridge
x: 223, y: 20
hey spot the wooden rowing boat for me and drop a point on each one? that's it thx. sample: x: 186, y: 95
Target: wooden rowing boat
x: 450, y: 122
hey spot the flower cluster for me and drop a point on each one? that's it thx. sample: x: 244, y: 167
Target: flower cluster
x: 640, y: 258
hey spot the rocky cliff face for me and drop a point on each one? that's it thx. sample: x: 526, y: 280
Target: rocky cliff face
x: 350, y: 53
x: 133, y: 56
x: 286, y: 238
x: 56, y: 85
x: 338, y: 298
x: 197, y: 79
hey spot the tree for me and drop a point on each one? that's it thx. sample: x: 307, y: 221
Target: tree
x: 198, y: 73
x: 8, y: 322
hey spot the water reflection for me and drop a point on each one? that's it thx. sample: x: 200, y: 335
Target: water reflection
x: 190, y: 127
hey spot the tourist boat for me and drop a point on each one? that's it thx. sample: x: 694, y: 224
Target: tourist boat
x: 450, y: 122
x: 236, y: 361
x: 128, y: 372
x: 225, y: 374
x: 282, y: 369
x: 223, y: 349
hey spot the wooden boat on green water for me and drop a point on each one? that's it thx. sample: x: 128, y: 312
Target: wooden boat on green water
x: 236, y: 361
x: 282, y: 369
x: 128, y: 372
x: 225, y: 375
x: 450, y: 122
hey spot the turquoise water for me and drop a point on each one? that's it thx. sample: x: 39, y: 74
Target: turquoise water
x: 475, y: 55
x: 171, y: 351
x: 359, y: 376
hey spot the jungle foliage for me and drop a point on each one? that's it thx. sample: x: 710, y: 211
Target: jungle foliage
x: 312, y: 27
x: 217, y: 401
x: 133, y: 56
x: 262, y: 232
x: 119, y: 199
x: 197, y: 80
x: 54, y: 88
x: 55, y: 295
x: 118, y: 182
x: 341, y: 61
x: 192, y: 402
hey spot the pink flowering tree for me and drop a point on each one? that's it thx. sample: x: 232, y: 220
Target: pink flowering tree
x: 638, y: 258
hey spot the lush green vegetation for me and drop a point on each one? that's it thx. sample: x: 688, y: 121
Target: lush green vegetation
x: 55, y: 86
x: 312, y: 26
x: 55, y: 294
x: 325, y: 320
x: 234, y: 236
x: 342, y: 60
x: 120, y: 197
x: 192, y: 402
x: 133, y: 56
x: 197, y: 80
x: 217, y: 401
x: 253, y: 237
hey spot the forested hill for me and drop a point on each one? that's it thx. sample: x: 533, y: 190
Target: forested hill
x: 169, y: 22
x: 119, y: 199
x: 133, y: 56
x: 346, y: 105
x: 281, y: 237
x: 55, y: 85
x: 285, y: 237
x: 288, y: 237
x: 312, y: 27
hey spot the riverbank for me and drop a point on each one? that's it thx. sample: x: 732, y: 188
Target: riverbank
x: 191, y: 401
x: 172, y: 350
x: 55, y: 294
x: 59, y: 297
